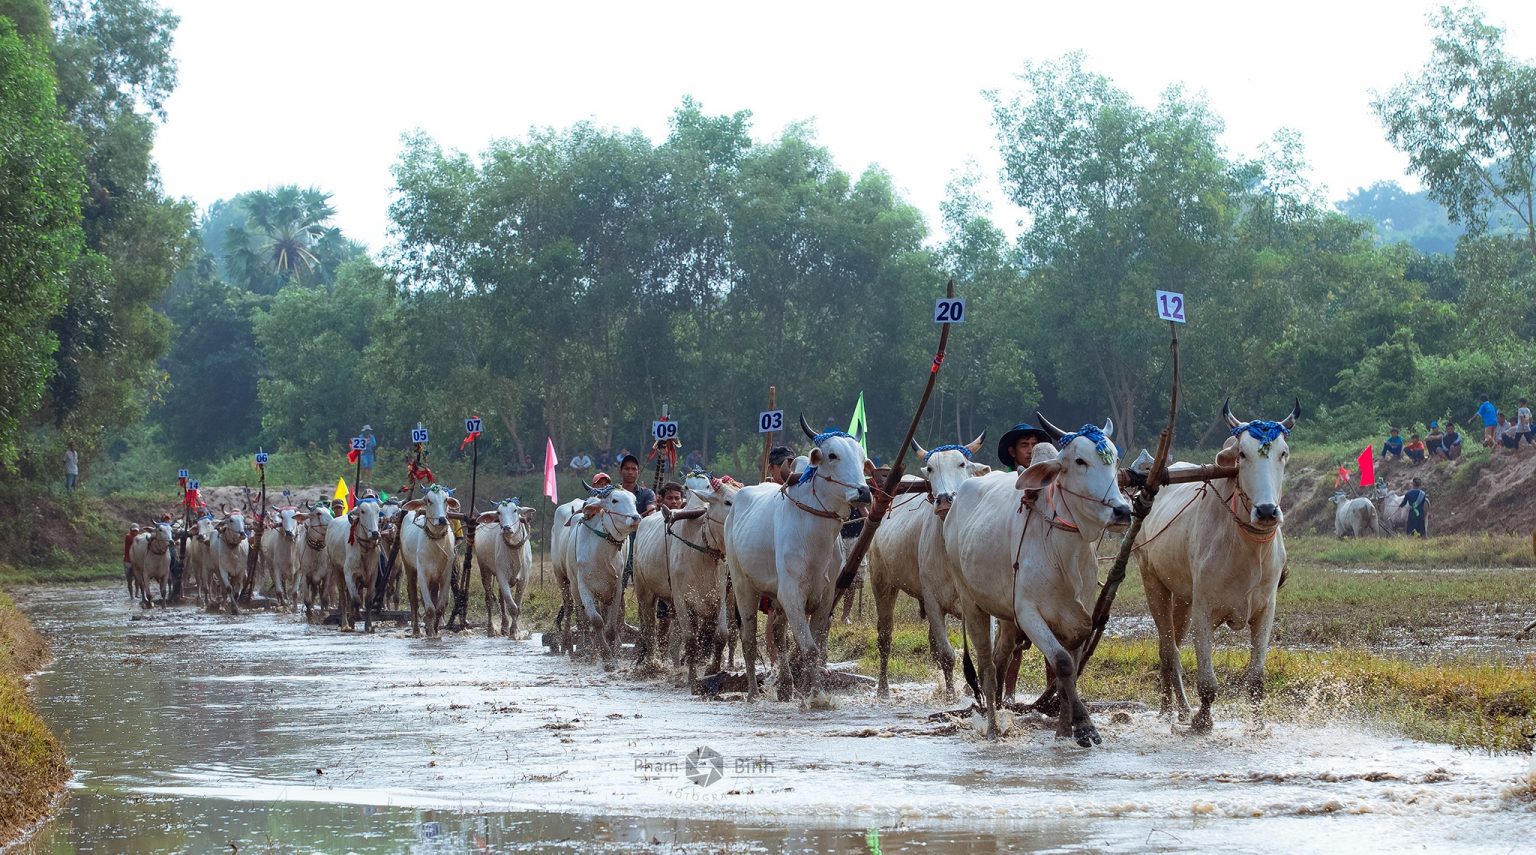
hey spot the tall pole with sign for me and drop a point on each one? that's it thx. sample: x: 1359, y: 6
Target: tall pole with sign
x: 459, y: 618
x: 180, y: 566
x: 252, y: 558
x: 768, y: 421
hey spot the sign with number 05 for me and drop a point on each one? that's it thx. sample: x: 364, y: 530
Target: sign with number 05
x: 1170, y: 307
x: 664, y: 430
x: 418, y: 435
x: 949, y: 310
x: 769, y: 421
x: 472, y: 425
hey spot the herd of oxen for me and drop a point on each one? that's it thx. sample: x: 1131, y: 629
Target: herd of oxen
x: 1013, y: 554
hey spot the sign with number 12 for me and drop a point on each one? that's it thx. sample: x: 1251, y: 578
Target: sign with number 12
x: 1170, y: 307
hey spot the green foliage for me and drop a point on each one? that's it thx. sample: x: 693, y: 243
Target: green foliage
x: 40, y: 235
x: 1402, y: 217
x: 282, y: 239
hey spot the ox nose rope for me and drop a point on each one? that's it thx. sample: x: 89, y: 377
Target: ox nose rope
x: 1249, y: 531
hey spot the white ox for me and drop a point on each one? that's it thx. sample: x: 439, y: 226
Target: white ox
x: 199, y: 563
x: 906, y: 555
x: 505, y: 557
x: 314, y: 566
x: 230, y: 549
x: 677, y: 559
x: 151, y: 558
x: 1353, y: 517
x: 592, y: 559
x: 782, y: 542
x: 1393, y: 516
x: 426, y: 546
x: 1030, y: 562
x: 351, y: 548
x: 278, y: 542
x: 1214, y: 554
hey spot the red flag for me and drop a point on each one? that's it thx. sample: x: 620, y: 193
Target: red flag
x: 1342, y: 478
x: 1367, y: 466
x: 352, y: 456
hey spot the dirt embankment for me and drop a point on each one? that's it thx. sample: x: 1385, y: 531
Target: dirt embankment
x: 33, y: 767
x: 1495, y: 495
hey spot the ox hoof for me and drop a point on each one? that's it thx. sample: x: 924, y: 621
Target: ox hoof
x: 819, y: 701
x: 1086, y: 735
x: 1201, y: 723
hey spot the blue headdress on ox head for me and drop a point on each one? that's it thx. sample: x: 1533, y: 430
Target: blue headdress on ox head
x: 932, y: 451
x: 598, y: 492
x: 1093, y: 433
x: 1266, y: 432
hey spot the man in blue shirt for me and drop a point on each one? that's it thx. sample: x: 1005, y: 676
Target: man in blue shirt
x: 1393, y: 446
x: 1490, y: 416
x: 1417, y: 503
x: 366, y: 458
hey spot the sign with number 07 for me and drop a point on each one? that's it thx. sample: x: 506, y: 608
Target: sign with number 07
x: 769, y: 421
x: 949, y: 310
x: 1170, y: 307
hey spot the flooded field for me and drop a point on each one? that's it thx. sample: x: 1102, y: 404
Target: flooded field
x: 196, y: 732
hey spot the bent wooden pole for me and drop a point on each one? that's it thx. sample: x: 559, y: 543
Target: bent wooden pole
x: 882, y: 497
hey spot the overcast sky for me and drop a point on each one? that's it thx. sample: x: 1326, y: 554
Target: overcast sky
x: 319, y: 92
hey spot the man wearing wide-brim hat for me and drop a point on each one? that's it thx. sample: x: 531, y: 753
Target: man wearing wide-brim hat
x: 1015, y: 447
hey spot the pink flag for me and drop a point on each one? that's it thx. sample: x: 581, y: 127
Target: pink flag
x: 550, y: 463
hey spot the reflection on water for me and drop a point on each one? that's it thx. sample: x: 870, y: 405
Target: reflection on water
x: 192, y: 732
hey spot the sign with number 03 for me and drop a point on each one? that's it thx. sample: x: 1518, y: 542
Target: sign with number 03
x: 472, y: 425
x: 664, y: 430
x: 947, y: 310
x: 769, y: 421
x: 1170, y: 307
x: 418, y: 435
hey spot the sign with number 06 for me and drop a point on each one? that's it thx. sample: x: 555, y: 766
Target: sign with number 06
x: 770, y: 421
x: 664, y: 430
x: 418, y: 435
x: 1170, y: 307
x: 949, y: 310
x: 261, y: 458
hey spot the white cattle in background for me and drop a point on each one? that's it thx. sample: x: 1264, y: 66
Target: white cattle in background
x: 314, y: 566
x: 150, y: 555
x: 352, y: 550
x: 505, y: 557
x: 230, y: 548
x: 593, y: 562
x: 1353, y: 517
x: 906, y: 555
x: 426, y: 546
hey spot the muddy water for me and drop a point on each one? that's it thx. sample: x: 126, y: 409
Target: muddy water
x: 191, y: 732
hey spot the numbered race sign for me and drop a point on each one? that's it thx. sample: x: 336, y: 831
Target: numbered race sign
x: 1170, y: 307
x: 194, y: 484
x: 664, y: 430
x: 949, y: 310
x: 472, y: 425
x: 418, y: 435
x: 770, y: 421
x: 181, y: 474
x: 359, y: 443
x: 261, y: 458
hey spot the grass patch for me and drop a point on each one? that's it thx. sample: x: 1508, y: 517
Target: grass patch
x: 1456, y: 550
x: 33, y: 767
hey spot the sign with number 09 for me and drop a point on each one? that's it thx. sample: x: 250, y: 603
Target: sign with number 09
x: 1170, y: 307
x: 949, y: 310
x: 664, y: 430
x: 770, y: 421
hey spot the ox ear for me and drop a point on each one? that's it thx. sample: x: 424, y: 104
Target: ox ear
x: 869, y: 468
x: 590, y: 511
x: 975, y: 445
x: 452, y: 504
x: 704, y: 495
x: 414, y: 505
x: 1038, y: 475
x: 816, y: 457
x: 980, y: 469
x: 1228, y: 454
x: 487, y: 518
x: 527, y: 513
x: 300, y: 517
x: 352, y: 515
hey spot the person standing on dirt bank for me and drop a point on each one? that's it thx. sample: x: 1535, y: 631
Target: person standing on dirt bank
x: 366, y: 458
x: 71, y: 466
x: 1490, y: 416
x: 1417, y: 503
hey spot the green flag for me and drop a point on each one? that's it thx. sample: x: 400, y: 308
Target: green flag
x: 859, y: 427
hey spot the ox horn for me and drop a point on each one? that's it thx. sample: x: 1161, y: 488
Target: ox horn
x: 975, y: 444
x: 1109, y: 427
x: 809, y: 434
x: 1290, y: 420
x: 1226, y: 413
x: 1054, y: 432
x: 918, y: 449
x: 587, y: 487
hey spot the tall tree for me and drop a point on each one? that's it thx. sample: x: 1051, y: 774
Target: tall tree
x: 40, y: 235
x: 1467, y: 122
x: 284, y: 238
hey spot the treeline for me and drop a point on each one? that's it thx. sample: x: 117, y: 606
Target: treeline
x: 569, y: 282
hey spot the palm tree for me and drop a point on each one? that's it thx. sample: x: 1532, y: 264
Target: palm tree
x: 277, y: 243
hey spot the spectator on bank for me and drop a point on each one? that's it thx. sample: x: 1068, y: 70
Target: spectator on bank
x: 1523, y: 422
x: 1489, y: 414
x: 604, y: 459
x: 695, y: 460
x: 1450, y: 445
x: 1393, y: 447
x: 1434, y: 442
x: 580, y: 463
x: 71, y: 466
x: 1414, y: 449
x: 1509, y: 433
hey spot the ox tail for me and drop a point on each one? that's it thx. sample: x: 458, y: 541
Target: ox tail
x: 968, y: 665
